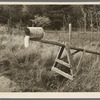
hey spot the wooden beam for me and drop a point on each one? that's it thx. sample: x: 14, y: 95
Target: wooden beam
x: 69, y: 56
x: 59, y: 55
x: 62, y: 73
x: 61, y: 44
x: 75, y: 52
x: 88, y: 51
x: 49, y: 42
x: 62, y: 63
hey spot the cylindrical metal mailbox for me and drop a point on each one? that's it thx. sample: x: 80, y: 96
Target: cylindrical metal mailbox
x: 35, y: 32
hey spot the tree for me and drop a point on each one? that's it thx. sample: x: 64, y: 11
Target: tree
x: 13, y: 12
x: 84, y: 17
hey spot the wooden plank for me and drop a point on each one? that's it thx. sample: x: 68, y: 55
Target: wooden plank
x: 62, y: 73
x: 69, y: 56
x: 60, y: 52
x: 62, y: 63
x: 59, y: 55
x: 61, y: 44
x: 75, y: 52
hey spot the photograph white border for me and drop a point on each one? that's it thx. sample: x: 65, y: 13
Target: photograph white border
x: 50, y: 95
x: 50, y: 3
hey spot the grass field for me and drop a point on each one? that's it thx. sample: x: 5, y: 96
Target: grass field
x: 30, y: 68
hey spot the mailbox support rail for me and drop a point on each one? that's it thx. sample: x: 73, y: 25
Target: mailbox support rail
x: 63, y: 45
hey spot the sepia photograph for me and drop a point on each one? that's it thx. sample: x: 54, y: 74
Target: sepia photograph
x: 49, y: 48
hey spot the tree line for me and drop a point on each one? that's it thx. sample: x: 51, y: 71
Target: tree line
x: 82, y: 17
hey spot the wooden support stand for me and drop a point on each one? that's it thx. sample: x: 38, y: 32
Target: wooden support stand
x: 68, y: 64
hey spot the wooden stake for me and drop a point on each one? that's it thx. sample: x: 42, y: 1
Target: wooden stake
x: 70, y: 29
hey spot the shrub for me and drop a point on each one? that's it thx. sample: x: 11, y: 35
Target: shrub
x: 41, y: 21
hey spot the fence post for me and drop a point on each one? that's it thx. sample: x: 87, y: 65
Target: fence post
x: 70, y: 33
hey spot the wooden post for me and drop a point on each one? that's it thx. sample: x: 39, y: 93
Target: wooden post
x: 59, y: 55
x: 70, y: 29
x: 70, y: 59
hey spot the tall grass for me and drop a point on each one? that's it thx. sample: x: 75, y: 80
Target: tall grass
x: 30, y: 67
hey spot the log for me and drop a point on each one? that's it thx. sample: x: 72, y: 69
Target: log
x: 49, y: 42
x: 62, y: 44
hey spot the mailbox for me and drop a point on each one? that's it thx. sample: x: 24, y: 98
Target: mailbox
x: 33, y: 32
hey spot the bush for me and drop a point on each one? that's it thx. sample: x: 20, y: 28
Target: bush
x: 41, y: 21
